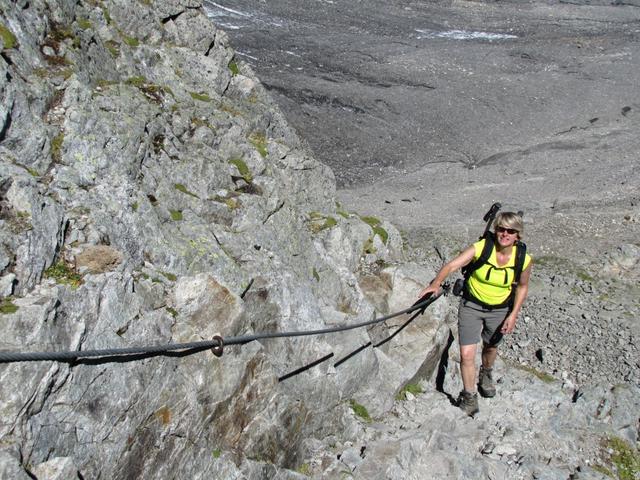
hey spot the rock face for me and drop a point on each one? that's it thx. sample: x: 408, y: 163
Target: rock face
x: 151, y: 192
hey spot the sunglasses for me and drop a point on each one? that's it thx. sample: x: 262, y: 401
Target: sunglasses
x: 510, y: 231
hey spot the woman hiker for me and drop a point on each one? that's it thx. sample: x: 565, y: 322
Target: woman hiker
x: 490, y: 304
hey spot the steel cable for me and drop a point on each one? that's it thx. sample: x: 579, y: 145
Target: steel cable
x: 73, y: 355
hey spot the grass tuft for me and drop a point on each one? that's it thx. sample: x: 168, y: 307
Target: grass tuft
x: 412, y: 388
x: 181, y: 188
x: 624, y: 457
x: 259, y: 141
x: 113, y: 47
x: 545, y: 377
x: 133, y: 42
x: 203, y: 97
x: 7, y: 307
x: 233, y: 67
x: 8, y: 38
x: 317, y: 227
x: 63, y: 273
x: 84, y: 24
x: 56, y: 147
x: 242, y: 169
x: 371, y: 221
x: 360, y: 410
x: 169, y: 276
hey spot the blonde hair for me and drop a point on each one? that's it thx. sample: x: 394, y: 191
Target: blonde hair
x: 510, y: 220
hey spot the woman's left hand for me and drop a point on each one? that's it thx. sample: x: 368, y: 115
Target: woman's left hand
x: 509, y: 324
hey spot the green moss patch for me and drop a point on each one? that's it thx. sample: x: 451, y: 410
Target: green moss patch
x: 259, y: 141
x: 113, y: 47
x: 8, y: 38
x: 105, y: 14
x: 412, y: 388
x: 102, y: 83
x: 382, y: 233
x: 84, y: 24
x: 322, y: 223
x: 242, y: 169
x: 229, y: 200
x: 176, y: 215
x: 375, y: 225
x: 64, y: 274
x: 304, y: 469
x: 133, y: 42
x: 360, y: 411
x: 624, y: 459
x: 56, y: 147
x: 545, y: 377
x: 181, y: 188
x: 153, y: 92
x: 169, y: 276
x: 7, y: 307
x: 137, y: 81
x: 233, y: 67
x: 371, y: 221
x: 202, y: 97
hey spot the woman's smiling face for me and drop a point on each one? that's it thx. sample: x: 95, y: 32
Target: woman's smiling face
x: 506, y: 236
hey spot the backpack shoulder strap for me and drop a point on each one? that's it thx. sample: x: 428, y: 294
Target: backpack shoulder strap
x: 489, y: 241
x: 521, y: 252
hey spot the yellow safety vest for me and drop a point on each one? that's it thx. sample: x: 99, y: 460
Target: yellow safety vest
x: 491, y: 284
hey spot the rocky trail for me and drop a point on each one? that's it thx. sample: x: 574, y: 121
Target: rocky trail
x: 533, y: 428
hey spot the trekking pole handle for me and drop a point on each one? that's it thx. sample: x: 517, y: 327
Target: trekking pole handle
x: 489, y: 216
x: 492, y: 212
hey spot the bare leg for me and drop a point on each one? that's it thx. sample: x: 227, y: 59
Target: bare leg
x: 489, y: 355
x: 468, y: 367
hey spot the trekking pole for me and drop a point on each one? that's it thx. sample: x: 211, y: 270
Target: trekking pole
x: 489, y: 216
x: 459, y: 285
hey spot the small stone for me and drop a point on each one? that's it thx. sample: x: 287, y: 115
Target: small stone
x: 7, y: 283
x: 505, y: 449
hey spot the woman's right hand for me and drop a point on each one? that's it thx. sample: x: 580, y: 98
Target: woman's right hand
x: 431, y: 288
x: 460, y: 261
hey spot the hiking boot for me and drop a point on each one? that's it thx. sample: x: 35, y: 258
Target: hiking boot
x: 485, y: 383
x: 468, y: 402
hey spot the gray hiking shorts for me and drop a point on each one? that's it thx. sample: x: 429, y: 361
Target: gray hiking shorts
x: 475, y: 320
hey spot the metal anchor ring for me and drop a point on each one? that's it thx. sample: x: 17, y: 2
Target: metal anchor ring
x: 217, y: 349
